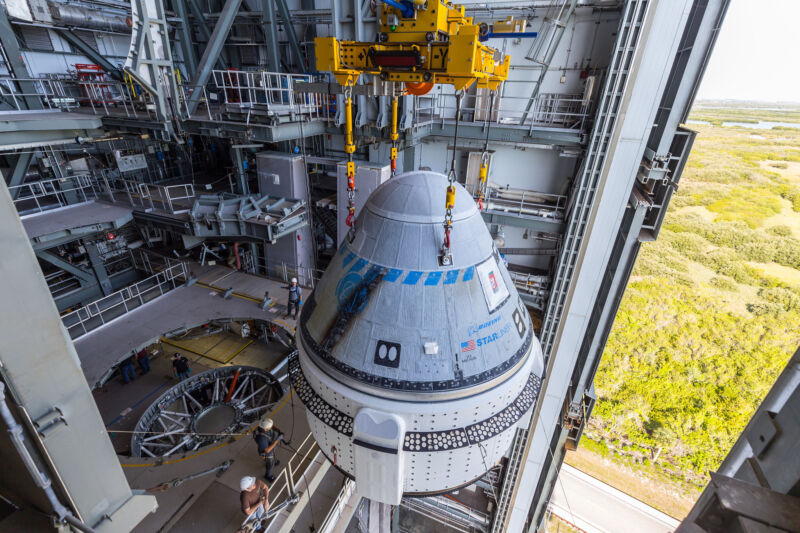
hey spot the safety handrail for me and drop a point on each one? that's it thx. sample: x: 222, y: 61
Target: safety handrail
x: 98, y: 313
x: 273, y: 90
x: 285, y: 485
x: 556, y: 110
x: 54, y: 189
x: 335, y: 512
x: 104, y: 97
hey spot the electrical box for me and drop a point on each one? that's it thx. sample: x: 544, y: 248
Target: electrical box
x: 127, y: 163
x: 368, y: 177
x: 284, y: 175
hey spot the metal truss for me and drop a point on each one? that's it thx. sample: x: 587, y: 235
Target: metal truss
x: 203, y: 409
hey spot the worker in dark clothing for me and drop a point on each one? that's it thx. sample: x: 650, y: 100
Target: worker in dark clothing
x: 180, y: 365
x: 127, y: 370
x: 143, y: 358
x: 295, y: 298
x: 254, y: 498
x: 267, y: 437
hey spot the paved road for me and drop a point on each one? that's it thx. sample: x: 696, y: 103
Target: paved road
x: 595, y: 507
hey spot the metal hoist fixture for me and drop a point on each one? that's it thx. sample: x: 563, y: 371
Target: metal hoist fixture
x: 420, y: 43
x: 350, y: 148
x: 483, y: 173
x: 445, y: 257
x: 394, y: 136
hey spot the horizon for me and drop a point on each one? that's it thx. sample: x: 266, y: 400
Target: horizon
x: 752, y: 61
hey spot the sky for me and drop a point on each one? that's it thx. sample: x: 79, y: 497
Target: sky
x: 757, y: 54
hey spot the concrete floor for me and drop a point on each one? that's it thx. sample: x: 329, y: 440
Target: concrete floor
x: 200, y: 303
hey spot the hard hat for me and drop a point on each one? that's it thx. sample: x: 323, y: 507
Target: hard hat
x: 265, y: 424
x: 294, y: 280
x: 247, y: 482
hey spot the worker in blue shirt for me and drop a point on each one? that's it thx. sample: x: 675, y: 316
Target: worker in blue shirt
x: 267, y: 436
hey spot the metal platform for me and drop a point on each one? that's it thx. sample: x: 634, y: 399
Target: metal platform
x: 27, y: 129
x: 51, y: 227
x: 100, y: 350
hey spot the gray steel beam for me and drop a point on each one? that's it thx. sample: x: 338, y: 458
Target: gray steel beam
x: 98, y: 267
x: 612, y: 289
x: 288, y: 27
x: 213, y: 49
x: 91, y: 54
x: 13, y: 58
x: 546, y: 225
x: 86, y: 278
x: 270, y: 27
x: 47, y: 392
x: 205, y: 30
x: 241, y: 175
x: 185, y: 36
x: 18, y: 172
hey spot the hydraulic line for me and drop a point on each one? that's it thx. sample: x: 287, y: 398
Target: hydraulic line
x: 394, y: 136
x: 350, y: 148
x: 15, y: 433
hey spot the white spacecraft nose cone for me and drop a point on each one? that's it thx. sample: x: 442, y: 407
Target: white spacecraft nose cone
x: 445, y: 354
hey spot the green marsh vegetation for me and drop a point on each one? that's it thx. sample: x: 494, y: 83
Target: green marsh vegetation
x: 710, y: 316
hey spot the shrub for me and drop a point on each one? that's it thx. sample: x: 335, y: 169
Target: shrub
x: 785, y: 298
x: 780, y: 230
x: 722, y: 283
x: 749, y: 205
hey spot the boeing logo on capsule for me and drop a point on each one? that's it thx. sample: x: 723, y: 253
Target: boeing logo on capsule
x: 488, y: 339
x: 472, y: 330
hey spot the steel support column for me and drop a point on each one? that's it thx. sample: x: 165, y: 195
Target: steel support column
x: 241, y: 174
x: 205, y: 30
x: 46, y: 391
x: 91, y: 54
x: 185, y: 36
x: 270, y: 27
x: 213, y: 49
x: 98, y: 267
x: 18, y: 172
x: 288, y: 27
x: 86, y: 278
x: 13, y: 57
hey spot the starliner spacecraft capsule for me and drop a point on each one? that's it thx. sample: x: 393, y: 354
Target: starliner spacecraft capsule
x: 415, y: 375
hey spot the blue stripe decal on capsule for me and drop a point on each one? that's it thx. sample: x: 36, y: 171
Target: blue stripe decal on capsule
x: 358, y: 265
x: 451, y: 277
x: 433, y: 278
x: 412, y: 277
x: 374, y: 271
x: 392, y: 275
x: 469, y: 273
x: 348, y: 258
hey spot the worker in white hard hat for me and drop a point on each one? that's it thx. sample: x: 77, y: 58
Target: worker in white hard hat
x: 295, y: 299
x: 254, y: 497
x: 267, y: 436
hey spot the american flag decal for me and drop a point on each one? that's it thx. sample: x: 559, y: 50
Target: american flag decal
x: 467, y: 346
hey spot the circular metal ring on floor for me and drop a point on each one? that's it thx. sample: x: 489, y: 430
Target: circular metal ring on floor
x: 203, y: 409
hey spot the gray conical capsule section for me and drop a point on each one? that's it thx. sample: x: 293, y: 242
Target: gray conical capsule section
x: 414, y: 375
